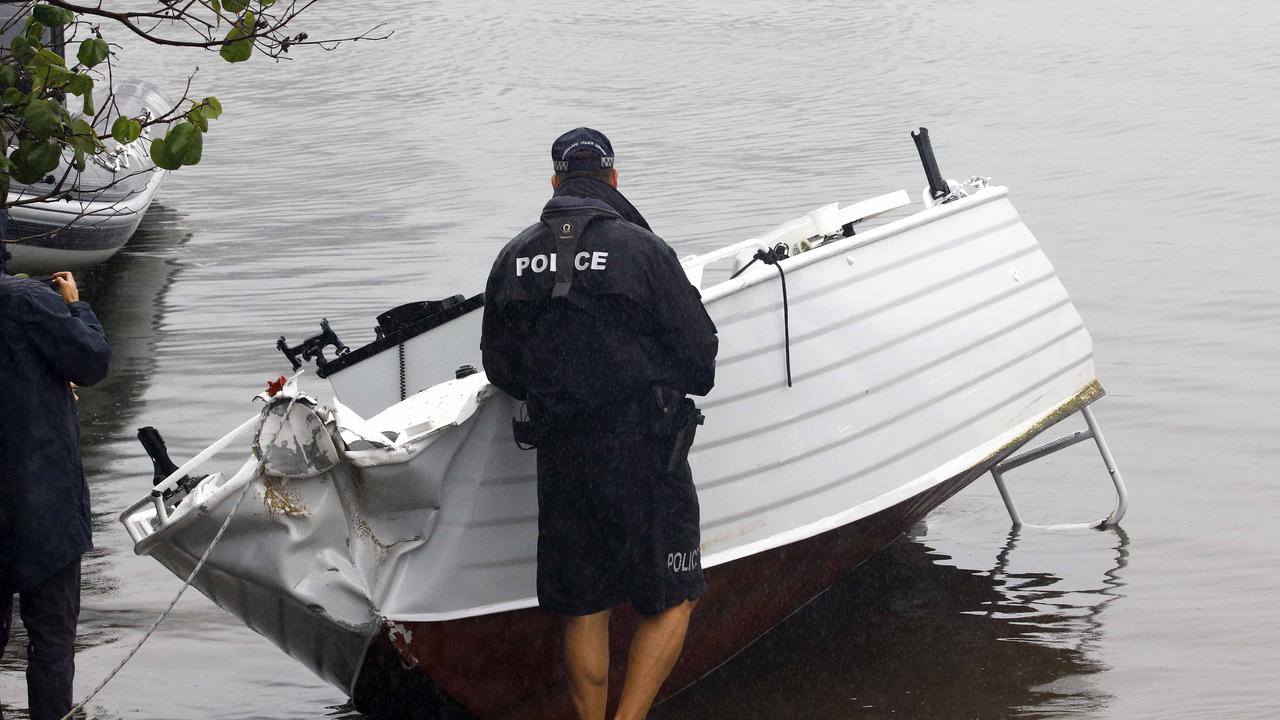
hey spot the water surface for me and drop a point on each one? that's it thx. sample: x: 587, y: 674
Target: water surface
x: 1138, y: 143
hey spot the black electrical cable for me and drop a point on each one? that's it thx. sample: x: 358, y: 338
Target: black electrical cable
x: 786, y: 319
x: 772, y: 257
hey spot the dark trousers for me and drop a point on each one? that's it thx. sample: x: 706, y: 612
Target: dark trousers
x: 49, y: 612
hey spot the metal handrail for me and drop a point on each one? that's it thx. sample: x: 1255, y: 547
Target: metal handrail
x: 695, y: 264
x: 806, y: 225
x: 156, y: 497
x: 203, y: 456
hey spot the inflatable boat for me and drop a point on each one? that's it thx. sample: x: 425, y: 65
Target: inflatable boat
x: 105, y: 204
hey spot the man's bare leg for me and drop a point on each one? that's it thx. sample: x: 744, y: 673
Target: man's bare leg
x: 586, y: 655
x: 654, y: 651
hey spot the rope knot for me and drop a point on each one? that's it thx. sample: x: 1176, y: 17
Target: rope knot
x: 773, y: 255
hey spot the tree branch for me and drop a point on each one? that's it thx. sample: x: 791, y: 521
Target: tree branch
x: 266, y: 35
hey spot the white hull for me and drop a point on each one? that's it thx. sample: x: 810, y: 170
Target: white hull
x: 79, y: 234
x: 920, y: 350
x: 113, y: 195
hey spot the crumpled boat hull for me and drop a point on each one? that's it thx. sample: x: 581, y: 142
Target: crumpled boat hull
x: 330, y: 647
x: 281, y: 569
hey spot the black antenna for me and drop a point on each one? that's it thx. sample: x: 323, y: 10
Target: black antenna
x: 938, y: 187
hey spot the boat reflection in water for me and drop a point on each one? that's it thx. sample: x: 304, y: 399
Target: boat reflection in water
x: 127, y: 294
x: 908, y: 635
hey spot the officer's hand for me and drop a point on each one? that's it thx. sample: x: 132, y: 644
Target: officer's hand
x: 65, y: 284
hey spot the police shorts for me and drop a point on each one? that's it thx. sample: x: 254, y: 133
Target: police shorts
x: 614, y: 526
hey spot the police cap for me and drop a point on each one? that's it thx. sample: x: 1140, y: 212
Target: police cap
x: 581, y: 149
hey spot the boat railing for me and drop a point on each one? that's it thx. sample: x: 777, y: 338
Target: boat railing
x: 694, y: 265
x: 824, y: 223
x: 140, y: 525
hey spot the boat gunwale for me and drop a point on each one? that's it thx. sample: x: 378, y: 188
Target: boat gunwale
x: 915, y: 220
x: 135, y: 203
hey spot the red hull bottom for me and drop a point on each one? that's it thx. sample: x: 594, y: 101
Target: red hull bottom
x: 510, y: 665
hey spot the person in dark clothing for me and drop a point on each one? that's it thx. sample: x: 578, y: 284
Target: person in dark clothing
x: 49, y: 339
x: 590, y: 319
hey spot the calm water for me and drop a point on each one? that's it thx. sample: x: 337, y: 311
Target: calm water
x: 1138, y: 141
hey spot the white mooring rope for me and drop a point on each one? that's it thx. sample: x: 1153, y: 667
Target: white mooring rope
x: 248, y: 485
x: 190, y: 578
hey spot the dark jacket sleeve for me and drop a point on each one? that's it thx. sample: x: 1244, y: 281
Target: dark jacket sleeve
x: 69, y: 337
x: 500, y: 348
x: 685, y: 329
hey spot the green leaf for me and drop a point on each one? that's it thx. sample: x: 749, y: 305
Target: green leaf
x: 79, y: 84
x: 236, y: 50
x: 87, y: 107
x: 125, y: 130
x: 235, y: 6
x: 93, y: 51
x: 51, y: 76
x: 161, y: 156
x: 43, y: 120
x: 21, y: 50
x: 7, y: 78
x: 83, y: 138
x: 45, y: 157
x: 51, y: 16
x: 202, y: 112
x: 34, y: 32
x: 78, y: 162
x: 211, y: 108
x: 185, y: 143
x: 32, y: 161
x: 45, y: 58
x: 266, y: 3
x: 12, y: 96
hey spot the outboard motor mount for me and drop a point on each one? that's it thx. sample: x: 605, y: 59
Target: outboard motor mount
x: 313, y: 347
x: 402, y: 316
x: 162, y: 467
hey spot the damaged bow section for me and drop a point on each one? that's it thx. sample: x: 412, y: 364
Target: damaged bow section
x: 319, y: 548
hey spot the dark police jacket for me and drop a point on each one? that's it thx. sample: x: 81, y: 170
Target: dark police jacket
x: 44, y: 499
x: 630, y: 329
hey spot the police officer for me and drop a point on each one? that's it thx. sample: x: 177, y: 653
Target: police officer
x: 49, y: 338
x: 590, y: 319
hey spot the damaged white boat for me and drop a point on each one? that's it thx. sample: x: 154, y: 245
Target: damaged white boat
x: 387, y: 540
